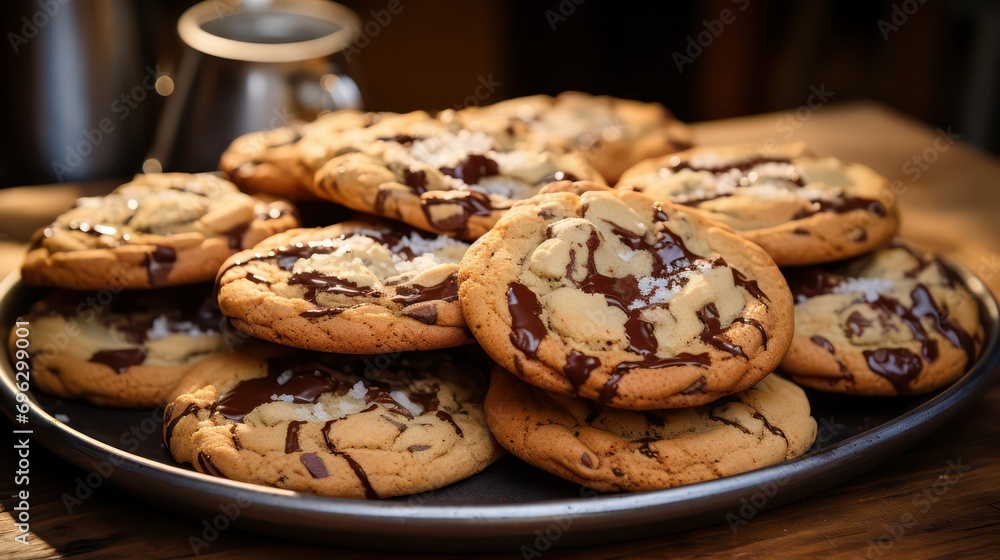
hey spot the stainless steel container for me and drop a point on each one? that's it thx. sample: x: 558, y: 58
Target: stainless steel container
x: 252, y: 66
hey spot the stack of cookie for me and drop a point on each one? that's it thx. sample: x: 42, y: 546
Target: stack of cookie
x: 134, y: 309
x: 494, y: 293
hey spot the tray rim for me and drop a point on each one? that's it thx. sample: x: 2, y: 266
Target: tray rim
x: 852, y: 456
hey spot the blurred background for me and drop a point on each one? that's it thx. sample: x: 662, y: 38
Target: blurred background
x: 935, y: 61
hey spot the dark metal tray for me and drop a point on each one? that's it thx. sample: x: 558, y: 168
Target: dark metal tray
x: 510, y: 505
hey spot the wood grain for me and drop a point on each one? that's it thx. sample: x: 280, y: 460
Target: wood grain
x: 939, y: 500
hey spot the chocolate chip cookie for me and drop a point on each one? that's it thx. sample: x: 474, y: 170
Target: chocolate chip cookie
x: 124, y: 349
x: 617, y: 298
x: 343, y: 426
x: 282, y: 161
x: 361, y: 286
x: 442, y: 177
x: 614, y: 450
x: 800, y: 209
x: 158, y: 230
x: 614, y: 134
x: 894, y: 322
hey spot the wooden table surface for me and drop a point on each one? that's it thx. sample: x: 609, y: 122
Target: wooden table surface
x: 911, y: 507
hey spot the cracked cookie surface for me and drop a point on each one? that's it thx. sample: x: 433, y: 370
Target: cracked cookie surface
x: 893, y: 322
x: 360, y: 286
x: 157, y: 230
x: 800, y: 209
x: 616, y: 298
x: 125, y: 350
x: 614, y: 450
x: 612, y: 133
x: 442, y: 177
x: 342, y: 426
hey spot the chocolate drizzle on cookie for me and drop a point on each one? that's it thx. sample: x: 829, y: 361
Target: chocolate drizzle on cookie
x: 630, y: 294
x: 899, y: 366
x: 749, y: 175
x: 358, y: 471
x: 308, y: 380
x: 314, y: 282
x: 578, y: 367
x: 527, y: 327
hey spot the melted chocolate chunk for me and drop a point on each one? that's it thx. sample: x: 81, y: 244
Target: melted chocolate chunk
x: 898, y: 366
x: 714, y: 334
x: 426, y: 314
x: 822, y: 343
x: 380, y: 396
x: 527, y: 327
x: 308, y: 381
x: 317, y: 282
x: 695, y: 387
x: 158, y: 265
x: 925, y: 307
x: 416, y: 180
x: 473, y: 169
x: 292, y: 436
x: 578, y: 367
x: 314, y: 465
x: 417, y: 448
x: 445, y: 291
x: 474, y: 203
x: 856, y: 324
x: 587, y: 462
x: 119, y: 360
